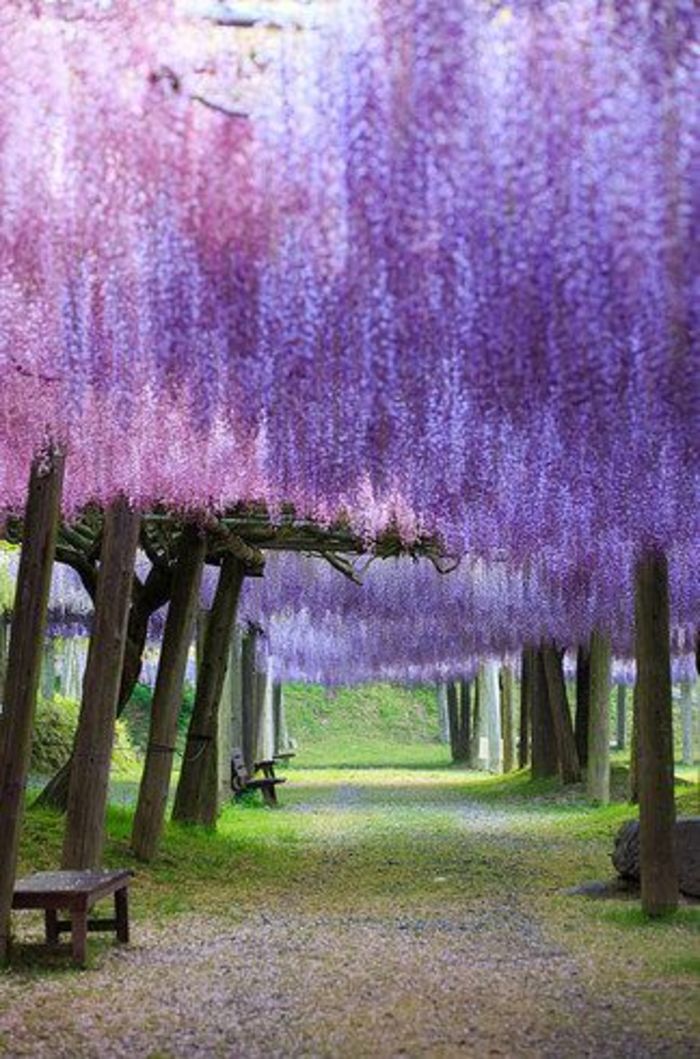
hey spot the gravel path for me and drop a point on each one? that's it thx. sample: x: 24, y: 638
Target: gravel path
x: 480, y: 980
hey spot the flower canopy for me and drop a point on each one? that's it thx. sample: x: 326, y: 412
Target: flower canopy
x: 442, y: 274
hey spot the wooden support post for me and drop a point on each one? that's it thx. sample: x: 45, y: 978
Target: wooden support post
x: 524, y: 730
x: 196, y: 800
x: 507, y: 718
x: 167, y: 696
x: 443, y: 716
x: 561, y: 715
x: 544, y: 748
x: 24, y: 665
x: 657, y: 809
x: 583, y: 699
x: 89, y: 776
x: 465, y: 718
x: 598, y: 768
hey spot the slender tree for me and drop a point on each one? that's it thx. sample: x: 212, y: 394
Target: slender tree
x: 621, y: 717
x: 167, y: 695
x: 657, y: 808
x: 561, y: 715
x: 598, y: 768
x: 87, y: 796
x: 24, y: 664
x: 544, y: 748
x: 197, y: 798
x: 525, y: 697
x: 507, y: 718
x: 583, y: 698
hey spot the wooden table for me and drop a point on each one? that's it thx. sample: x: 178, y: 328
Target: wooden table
x: 76, y: 892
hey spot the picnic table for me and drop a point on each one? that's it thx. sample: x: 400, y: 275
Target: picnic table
x: 76, y: 892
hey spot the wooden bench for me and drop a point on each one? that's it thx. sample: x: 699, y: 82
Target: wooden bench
x: 242, y: 781
x: 76, y: 892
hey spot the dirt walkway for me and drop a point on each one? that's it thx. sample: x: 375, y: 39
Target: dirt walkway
x: 419, y: 977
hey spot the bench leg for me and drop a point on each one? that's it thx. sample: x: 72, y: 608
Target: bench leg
x: 270, y: 795
x: 51, y: 924
x: 121, y: 910
x: 78, y: 920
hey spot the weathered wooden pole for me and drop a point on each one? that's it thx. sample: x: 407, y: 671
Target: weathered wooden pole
x: 459, y: 714
x: 569, y: 767
x: 89, y: 777
x: 465, y: 718
x: 544, y: 747
x: 24, y: 664
x: 524, y: 729
x: 507, y: 718
x: 657, y: 810
x: 197, y: 799
x: 167, y: 695
x: 598, y: 767
x: 583, y: 699
x: 621, y: 717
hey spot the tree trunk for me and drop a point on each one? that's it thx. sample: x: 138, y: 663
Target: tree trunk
x: 453, y: 718
x: 544, y: 748
x: 525, y: 697
x: 490, y: 705
x: 167, y: 696
x: 583, y: 699
x: 48, y: 669
x: 443, y: 716
x: 656, y: 795
x: 687, y: 722
x: 621, y: 717
x: 196, y: 800
x: 24, y: 665
x: 478, y: 728
x: 633, y: 778
x: 561, y: 715
x: 465, y: 718
x: 87, y: 794
x: 248, y: 695
x: 150, y: 597
x: 507, y: 718
x: 4, y: 640
x: 598, y: 769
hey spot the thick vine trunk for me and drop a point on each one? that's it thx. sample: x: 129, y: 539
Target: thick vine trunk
x: 89, y: 780
x: 561, y: 715
x: 598, y: 768
x: 196, y: 800
x: 657, y: 809
x: 621, y: 717
x: 24, y: 665
x: 167, y: 695
x: 507, y: 719
x: 149, y: 598
x: 544, y: 747
x: 524, y: 732
x: 583, y: 699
